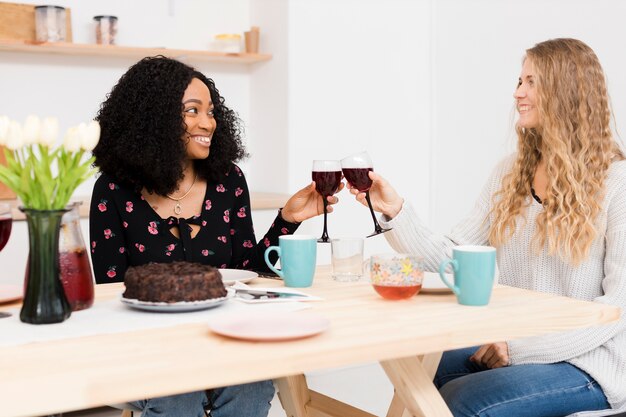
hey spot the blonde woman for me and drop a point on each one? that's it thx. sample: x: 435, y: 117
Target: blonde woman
x: 556, y: 212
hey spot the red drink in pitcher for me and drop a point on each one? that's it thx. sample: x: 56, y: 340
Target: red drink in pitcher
x: 76, y: 278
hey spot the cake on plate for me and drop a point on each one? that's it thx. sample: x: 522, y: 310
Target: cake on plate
x: 173, y: 282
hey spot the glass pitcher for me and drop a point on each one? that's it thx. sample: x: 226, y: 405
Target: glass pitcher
x: 74, y: 261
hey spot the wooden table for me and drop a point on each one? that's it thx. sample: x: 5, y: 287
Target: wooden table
x: 51, y: 377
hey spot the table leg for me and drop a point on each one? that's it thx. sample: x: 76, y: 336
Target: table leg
x: 430, y: 362
x: 299, y: 401
x: 412, y: 378
x: 396, y: 408
x: 294, y: 395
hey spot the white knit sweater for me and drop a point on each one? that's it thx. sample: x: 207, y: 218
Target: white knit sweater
x: 600, y: 351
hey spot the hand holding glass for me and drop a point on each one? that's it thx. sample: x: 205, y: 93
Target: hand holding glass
x: 327, y: 177
x: 356, y: 169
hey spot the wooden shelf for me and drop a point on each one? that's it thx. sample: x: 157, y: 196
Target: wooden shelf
x: 80, y: 49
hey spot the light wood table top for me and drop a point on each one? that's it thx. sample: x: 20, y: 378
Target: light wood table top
x: 64, y: 375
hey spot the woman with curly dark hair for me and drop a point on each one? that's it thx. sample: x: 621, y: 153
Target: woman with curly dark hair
x: 169, y: 191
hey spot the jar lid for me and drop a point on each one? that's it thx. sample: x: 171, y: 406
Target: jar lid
x: 228, y: 36
x: 104, y: 16
x: 48, y: 6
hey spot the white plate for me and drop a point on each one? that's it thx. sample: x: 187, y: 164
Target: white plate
x: 10, y: 292
x: 271, y: 327
x: 230, y: 276
x: 176, y: 307
x: 432, y: 284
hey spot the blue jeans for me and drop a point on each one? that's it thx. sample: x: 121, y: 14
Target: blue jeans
x: 556, y: 389
x: 245, y: 400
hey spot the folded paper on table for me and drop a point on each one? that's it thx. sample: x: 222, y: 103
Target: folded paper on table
x: 277, y: 290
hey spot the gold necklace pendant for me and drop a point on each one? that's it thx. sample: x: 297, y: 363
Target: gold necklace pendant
x: 177, y: 207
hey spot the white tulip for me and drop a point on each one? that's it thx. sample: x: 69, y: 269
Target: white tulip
x: 15, y: 138
x: 49, y: 131
x: 4, y: 129
x: 71, y: 141
x: 31, y: 130
x: 90, y: 135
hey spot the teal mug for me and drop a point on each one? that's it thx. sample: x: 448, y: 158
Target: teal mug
x: 474, y: 268
x: 297, y: 255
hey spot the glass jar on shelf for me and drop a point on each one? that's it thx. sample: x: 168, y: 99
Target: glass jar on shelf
x: 106, y: 29
x: 229, y: 43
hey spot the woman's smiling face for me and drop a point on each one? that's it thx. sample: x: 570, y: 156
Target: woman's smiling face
x: 198, y: 117
x: 526, y: 96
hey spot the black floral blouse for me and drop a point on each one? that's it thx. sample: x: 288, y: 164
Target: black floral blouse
x: 125, y: 231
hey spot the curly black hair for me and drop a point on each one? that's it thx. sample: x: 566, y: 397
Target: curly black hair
x: 142, y: 125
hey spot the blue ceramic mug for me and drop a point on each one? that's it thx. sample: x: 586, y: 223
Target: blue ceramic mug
x: 474, y: 268
x: 297, y: 255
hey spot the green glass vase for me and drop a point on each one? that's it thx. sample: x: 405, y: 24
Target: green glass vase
x: 44, y: 298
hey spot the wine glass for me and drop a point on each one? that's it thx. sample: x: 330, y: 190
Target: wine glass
x: 6, y: 223
x: 327, y: 177
x: 356, y: 169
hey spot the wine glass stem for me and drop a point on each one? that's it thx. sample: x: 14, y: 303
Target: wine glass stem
x: 377, y: 227
x: 325, y: 232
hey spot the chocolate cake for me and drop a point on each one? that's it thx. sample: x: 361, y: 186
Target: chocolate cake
x: 173, y: 282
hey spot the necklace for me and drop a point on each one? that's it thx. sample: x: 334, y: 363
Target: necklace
x: 177, y: 207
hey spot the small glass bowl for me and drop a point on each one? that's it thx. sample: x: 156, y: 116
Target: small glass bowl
x: 396, y: 276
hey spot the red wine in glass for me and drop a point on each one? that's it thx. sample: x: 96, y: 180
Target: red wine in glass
x: 356, y: 169
x: 327, y: 183
x: 358, y: 177
x: 6, y: 224
x: 327, y: 177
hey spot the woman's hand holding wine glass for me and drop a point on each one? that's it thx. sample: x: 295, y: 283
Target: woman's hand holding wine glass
x: 307, y: 203
x: 370, y: 189
x: 383, y: 196
x: 357, y: 169
x: 327, y: 177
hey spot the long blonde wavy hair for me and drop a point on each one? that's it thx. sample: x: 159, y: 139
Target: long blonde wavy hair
x: 575, y: 142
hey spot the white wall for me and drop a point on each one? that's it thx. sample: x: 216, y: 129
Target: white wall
x: 268, y: 125
x: 478, y: 47
x: 359, y: 79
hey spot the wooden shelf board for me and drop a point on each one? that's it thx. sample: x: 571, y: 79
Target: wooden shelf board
x: 80, y: 49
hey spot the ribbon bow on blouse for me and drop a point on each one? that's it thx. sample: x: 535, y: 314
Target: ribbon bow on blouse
x: 184, y: 227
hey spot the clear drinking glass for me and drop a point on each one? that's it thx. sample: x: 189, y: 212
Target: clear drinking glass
x: 356, y: 169
x: 327, y: 177
x: 347, y: 258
